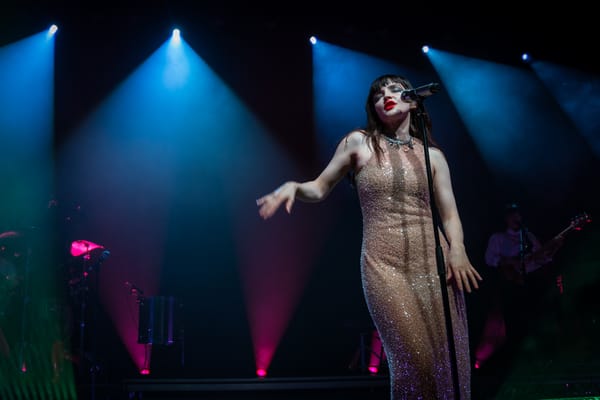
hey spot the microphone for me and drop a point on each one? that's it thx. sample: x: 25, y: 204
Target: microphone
x: 104, y: 255
x: 420, y: 92
x: 100, y: 260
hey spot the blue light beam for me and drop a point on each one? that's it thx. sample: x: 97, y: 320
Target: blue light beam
x: 578, y: 95
x: 520, y: 133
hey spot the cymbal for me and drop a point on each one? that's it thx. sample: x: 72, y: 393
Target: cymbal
x: 19, y: 232
x: 81, y: 247
x: 9, y: 242
x: 10, y: 234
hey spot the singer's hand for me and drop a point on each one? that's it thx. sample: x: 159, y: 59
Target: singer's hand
x: 461, y: 270
x: 269, y: 203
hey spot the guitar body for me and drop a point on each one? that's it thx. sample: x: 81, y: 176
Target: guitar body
x: 510, y: 270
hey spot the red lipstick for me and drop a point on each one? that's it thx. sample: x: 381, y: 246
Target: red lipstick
x: 389, y: 105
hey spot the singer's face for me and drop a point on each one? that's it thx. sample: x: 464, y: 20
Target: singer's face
x: 389, y: 104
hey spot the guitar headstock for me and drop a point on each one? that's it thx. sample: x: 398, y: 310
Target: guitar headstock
x: 580, y: 220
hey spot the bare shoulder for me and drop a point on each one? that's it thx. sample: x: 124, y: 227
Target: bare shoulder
x: 437, y: 156
x: 355, y: 138
x: 353, y: 141
x: 436, y: 152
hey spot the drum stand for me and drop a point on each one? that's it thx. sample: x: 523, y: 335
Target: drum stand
x: 84, y: 290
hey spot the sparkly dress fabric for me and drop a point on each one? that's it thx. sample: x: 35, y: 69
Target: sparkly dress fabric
x: 401, y: 282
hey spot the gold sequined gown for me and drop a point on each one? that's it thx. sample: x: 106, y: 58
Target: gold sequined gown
x: 400, y: 278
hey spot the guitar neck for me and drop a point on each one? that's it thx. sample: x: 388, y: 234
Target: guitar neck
x: 564, y: 232
x: 575, y: 223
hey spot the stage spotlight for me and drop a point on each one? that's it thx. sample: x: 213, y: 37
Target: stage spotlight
x: 51, y: 31
x: 176, y: 36
x: 525, y: 57
x: 261, y: 372
x: 425, y: 49
x: 145, y: 371
x: 373, y: 369
x: 313, y: 40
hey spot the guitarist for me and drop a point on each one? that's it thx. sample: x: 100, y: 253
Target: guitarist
x: 516, y: 252
x: 517, y: 261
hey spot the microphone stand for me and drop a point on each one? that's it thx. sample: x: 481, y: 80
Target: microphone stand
x: 439, y: 255
x: 523, y: 247
x: 82, y: 311
x: 95, y: 368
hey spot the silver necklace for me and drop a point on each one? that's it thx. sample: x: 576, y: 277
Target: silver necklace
x: 397, y: 143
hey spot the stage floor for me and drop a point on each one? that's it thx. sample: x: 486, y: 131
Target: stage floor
x: 355, y: 387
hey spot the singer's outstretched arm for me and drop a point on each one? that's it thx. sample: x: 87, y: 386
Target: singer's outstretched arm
x: 347, y: 152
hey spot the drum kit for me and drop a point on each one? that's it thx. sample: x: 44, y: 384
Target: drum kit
x: 17, y: 291
x: 14, y: 262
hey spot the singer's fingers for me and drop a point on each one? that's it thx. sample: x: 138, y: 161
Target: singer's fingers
x: 270, y: 204
x: 288, y: 204
x: 268, y: 196
x: 456, y: 275
x: 263, y: 213
x: 471, y: 278
x: 473, y: 281
x: 265, y: 209
x: 459, y: 282
x: 267, y: 212
x: 475, y: 278
x: 465, y: 282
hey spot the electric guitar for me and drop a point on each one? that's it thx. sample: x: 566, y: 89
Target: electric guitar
x: 511, y: 267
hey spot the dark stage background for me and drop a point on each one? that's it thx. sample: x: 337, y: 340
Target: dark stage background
x: 264, y: 57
